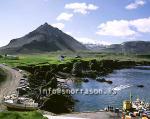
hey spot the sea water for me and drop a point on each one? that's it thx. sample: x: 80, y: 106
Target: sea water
x: 125, y: 81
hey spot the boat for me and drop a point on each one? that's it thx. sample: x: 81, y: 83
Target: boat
x: 19, y: 103
x: 140, y: 105
x: 137, y: 108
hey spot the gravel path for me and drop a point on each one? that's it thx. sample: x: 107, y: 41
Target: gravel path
x: 62, y: 117
x: 87, y: 115
x: 9, y: 86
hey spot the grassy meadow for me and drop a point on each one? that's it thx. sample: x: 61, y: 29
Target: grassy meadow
x: 53, y: 58
x: 21, y: 115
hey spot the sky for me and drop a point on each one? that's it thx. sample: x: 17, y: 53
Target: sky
x: 88, y: 21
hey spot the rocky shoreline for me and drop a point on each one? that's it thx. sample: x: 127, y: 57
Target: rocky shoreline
x: 45, y: 77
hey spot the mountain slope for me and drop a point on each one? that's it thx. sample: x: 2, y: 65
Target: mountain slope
x: 135, y: 47
x: 44, y: 39
x: 95, y: 47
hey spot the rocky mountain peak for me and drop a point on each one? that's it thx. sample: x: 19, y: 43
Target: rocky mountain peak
x: 45, y: 38
x: 48, y: 29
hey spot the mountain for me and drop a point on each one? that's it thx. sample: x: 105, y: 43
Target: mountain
x: 95, y: 47
x: 136, y: 47
x: 44, y: 39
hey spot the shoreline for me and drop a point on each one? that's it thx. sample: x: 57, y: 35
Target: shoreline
x: 86, y: 115
x: 106, y: 65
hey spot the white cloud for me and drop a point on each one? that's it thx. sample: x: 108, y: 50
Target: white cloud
x: 142, y: 25
x: 64, y: 16
x: 59, y: 25
x: 92, y: 7
x: 124, y: 28
x: 135, y: 4
x: 82, y: 8
x: 116, y: 28
x: 86, y: 40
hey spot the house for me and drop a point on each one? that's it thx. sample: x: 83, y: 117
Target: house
x: 62, y: 57
x: 11, y: 57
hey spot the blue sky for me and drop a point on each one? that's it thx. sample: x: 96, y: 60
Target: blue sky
x: 89, y: 21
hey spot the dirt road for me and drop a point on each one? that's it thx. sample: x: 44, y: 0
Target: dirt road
x: 87, y: 115
x: 96, y: 115
x: 10, y: 84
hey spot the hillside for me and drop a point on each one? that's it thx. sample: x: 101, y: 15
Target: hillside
x: 134, y: 47
x: 95, y: 47
x: 44, y: 39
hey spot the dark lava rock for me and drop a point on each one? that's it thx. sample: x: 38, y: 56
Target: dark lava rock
x: 85, y: 80
x: 109, y: 81
x: 77, y: 69
x: 99, y: 79
x: 59, y: 104
x: 140, y: 86
x: 93, y: 65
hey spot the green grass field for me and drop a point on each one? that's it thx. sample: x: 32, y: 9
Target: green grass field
x: 21, y: 115
x: 3, y: 75
x: 53, y: 58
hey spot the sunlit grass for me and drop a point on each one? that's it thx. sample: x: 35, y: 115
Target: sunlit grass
x: 53, y: 58
x: 21, y: 115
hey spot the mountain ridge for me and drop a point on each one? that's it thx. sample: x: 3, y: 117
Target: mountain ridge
x: 130, y: 47
x: 45, y: 38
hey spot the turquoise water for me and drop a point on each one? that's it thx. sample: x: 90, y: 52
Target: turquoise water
x: 124, y: 82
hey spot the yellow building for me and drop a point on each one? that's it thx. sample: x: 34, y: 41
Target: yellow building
x: 127, y: 105
x: 144, y: 118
